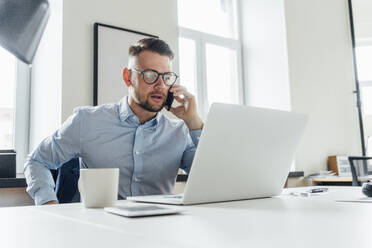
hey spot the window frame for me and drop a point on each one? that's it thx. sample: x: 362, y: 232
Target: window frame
x: 201, y: 39
x: 21, y: 116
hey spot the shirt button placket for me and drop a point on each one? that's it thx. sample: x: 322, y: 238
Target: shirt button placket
x: 138, y: 163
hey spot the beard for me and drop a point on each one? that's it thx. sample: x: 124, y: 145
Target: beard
x: 146, y: 104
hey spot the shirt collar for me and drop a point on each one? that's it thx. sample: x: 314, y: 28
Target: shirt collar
x: 126, y: 115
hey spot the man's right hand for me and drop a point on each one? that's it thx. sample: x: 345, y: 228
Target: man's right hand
x: 50, y: 203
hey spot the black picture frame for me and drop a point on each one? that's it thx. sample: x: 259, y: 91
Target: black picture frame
x: 111, y: 43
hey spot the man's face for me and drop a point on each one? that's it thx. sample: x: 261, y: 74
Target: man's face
x: 150, y: 97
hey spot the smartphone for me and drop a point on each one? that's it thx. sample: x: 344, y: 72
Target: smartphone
x: 169, y: 101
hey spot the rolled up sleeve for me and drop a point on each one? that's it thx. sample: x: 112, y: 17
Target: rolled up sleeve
x: 52, y: 152
x: 189, y: 153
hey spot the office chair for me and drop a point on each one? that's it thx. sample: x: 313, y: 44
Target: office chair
x: 359, y: 169
x: 66, y: 180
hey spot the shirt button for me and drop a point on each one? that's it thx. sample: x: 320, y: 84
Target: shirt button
x: 136, y: 179
x: 137, y: 152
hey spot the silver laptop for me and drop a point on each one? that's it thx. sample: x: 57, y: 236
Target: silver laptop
x: 243, y: 153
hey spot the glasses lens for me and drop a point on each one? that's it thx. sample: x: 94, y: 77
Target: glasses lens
x: 150, y: 76
x: 170, y: 78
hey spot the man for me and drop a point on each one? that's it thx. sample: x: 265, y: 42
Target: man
x: 131, y: 135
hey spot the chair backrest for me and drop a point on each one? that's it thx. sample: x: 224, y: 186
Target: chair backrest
x: 359, y: 167
x: 66, y: 179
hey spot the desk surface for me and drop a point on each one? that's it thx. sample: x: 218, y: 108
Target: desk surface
x: 339, y: 179
x: 284, y: 221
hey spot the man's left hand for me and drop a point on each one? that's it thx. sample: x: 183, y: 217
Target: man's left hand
x: 187, y: 111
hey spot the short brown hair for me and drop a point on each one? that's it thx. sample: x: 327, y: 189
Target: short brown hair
x: 151, y: 44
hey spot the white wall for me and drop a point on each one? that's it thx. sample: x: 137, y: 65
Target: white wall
x: 46, y: 79
x: 63, y: 68
x: 265, y: 59
x: 315, y: 33
x: 298, y: 55
x: 154, y: 17
x: 322, y: 79
x: 22, y: 114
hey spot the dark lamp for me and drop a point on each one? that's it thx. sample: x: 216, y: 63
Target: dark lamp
x: 22, y: 23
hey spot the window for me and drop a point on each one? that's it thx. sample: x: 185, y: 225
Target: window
x: 14, y: 106
x: 221, y: 59
x: 210, y: 52
x: 7, y: 97
x: 188, y: 68
x: 366, y: 97
x: 364, y: 62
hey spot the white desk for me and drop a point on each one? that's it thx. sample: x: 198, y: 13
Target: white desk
x: 285, y: 221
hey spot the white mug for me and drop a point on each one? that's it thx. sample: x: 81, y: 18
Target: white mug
x: 99, y: 187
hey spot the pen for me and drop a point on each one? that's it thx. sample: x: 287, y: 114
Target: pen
x: 318, y: 190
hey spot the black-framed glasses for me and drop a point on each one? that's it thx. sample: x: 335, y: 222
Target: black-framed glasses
x: 151, y: 76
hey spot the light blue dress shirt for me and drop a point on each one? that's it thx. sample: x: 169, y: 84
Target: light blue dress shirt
x: 111, y: 136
